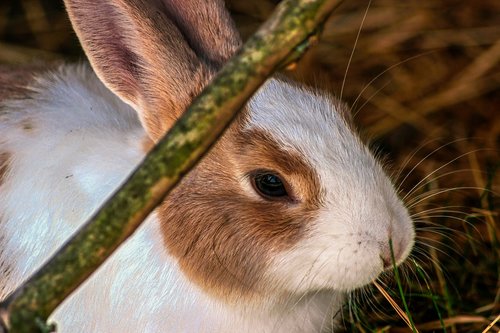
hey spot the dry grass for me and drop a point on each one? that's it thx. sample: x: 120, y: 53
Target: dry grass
x: 424, y: 84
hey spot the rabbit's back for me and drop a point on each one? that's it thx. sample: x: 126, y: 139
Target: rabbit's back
x: 66, y: 142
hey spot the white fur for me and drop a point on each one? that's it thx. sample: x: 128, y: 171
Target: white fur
x: 76, y: 153
x: 83, y: 143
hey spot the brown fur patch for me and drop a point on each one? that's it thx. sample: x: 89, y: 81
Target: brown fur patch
x: 223, y: 236
x: 5, y: 269
x: 4, y: 163
x: 14, y: 80
x: 27, y: 125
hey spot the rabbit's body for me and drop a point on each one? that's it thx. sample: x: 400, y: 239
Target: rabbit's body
x: 83, y: 147
x: 287, y: 213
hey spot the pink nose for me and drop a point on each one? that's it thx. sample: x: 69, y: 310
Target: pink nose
x: 387, y: 261
x: 385, y: 254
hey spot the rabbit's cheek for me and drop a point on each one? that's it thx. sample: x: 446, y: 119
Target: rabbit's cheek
x: 227, y: 253
x: 225, y: 237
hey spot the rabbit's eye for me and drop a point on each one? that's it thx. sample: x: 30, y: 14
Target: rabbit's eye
x: 269, y: 185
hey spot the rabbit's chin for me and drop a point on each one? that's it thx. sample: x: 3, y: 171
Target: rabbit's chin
x: 329, y: 272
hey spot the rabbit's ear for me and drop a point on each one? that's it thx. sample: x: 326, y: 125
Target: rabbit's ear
x: 155, y: 55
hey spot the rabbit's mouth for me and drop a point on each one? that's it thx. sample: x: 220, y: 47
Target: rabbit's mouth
x: 334, y: 256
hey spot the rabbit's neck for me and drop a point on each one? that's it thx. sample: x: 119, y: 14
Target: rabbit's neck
x: 188, y: 309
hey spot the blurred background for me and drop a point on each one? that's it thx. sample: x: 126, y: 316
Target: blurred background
x: 423, y: 79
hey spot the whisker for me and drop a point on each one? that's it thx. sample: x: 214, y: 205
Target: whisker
x: 354, y: 48
x: 446, y: 216
x: 441, y: 167
x: 441, y: 209
x: 379, y: 75
x: 426, y: 256
x: 429, y: 155
x: 407, y: 160
x: 430, y: 246
x: 426, y: 196
x: 422, y: 184
x: 439, y: 231
x: 357, y: 110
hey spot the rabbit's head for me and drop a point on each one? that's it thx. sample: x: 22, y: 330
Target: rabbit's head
x: 289, y: 200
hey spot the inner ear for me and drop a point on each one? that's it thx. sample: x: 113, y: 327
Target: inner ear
x: 207, y: 27
x: 140, y: 51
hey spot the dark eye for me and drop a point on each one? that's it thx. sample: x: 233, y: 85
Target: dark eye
x: 269, y: 185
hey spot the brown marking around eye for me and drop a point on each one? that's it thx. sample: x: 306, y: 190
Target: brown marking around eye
x: 257, y: 147
x: 223, y: 237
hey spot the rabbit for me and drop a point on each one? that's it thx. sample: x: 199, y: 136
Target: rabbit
x: 287, y: 213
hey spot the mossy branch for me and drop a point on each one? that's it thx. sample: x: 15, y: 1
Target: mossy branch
x: 280, y: 40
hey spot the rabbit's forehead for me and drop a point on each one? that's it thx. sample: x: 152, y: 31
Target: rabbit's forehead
x: 312, y: 126
x: 311, y: 123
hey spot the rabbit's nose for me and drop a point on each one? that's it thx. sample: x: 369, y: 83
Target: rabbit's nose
x: 386, y: 256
